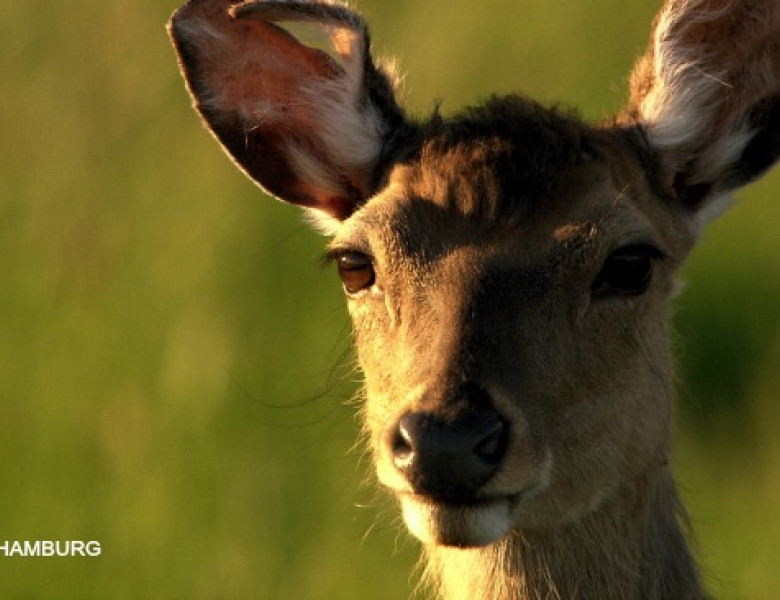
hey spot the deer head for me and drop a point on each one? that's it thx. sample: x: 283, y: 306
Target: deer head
x: 508, y: 270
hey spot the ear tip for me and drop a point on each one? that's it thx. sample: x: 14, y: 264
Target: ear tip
x: 243, y: 10
x: 196, y: 9
x: 336, y: 12
x: 264, y: 10
x: 176, y: 18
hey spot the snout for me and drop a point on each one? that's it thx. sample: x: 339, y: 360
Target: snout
x: 449, y: 457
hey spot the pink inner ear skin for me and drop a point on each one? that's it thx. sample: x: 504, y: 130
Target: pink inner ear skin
x: 278, y: 42
x: 277, y: 82
x: 286, y: 112
x: 250, y: 65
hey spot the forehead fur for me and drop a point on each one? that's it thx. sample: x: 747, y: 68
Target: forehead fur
x: 500, y: 158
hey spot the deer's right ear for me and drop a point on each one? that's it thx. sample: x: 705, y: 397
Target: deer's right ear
x: 309, y: 122
x: 707, y: 94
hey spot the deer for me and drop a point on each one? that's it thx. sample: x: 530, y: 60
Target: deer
x: 509, y: 273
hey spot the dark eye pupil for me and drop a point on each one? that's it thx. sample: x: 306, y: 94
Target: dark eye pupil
x: 627, y: 272
x: 356, y: 271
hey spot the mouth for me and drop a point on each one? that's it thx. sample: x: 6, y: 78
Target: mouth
x: 458, y: 524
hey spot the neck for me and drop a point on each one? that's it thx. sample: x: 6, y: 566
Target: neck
x: 632, y: 547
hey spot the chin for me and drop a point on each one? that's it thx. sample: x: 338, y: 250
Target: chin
x: 460, y: 525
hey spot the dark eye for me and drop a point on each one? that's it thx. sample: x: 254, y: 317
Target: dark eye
x: 356, y: 271
x: 627, y: 272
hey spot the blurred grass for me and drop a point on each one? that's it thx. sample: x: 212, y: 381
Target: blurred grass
x: 173, y: 379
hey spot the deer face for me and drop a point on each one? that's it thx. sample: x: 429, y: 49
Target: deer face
x: 508, y: 271
x: 512, y: 330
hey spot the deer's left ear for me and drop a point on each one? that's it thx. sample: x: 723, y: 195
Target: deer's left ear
x: 307, y: 121
x: 707, y: 94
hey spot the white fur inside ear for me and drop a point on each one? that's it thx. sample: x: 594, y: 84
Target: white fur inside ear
x: 680, y: 109
x: 715, y: 207
x: 312, y: 170
x: 351, y: 133
x: 322, y: 222
x: 351, y: 127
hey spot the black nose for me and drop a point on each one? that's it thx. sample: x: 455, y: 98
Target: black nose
x: 450, y: 457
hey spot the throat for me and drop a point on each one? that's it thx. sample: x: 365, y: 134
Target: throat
x: 632, y: 547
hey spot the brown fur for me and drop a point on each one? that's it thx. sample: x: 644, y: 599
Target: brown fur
x: 491, y: 294
x: 635, y: 548
x: 509, y: 274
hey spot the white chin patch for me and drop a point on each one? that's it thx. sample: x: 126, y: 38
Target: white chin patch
x: 456, y: 525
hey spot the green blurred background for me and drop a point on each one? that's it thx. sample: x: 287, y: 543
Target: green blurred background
x: 175, y: 372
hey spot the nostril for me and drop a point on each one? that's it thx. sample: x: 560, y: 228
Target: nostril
x: 402, y: 443
x: 492, y: 447
x: 488, y: 428
x: 449, y: 456
x: 407, y: 439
